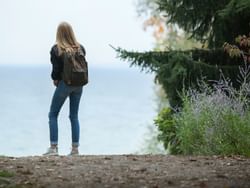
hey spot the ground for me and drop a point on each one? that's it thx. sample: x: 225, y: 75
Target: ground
x: 132, y: 171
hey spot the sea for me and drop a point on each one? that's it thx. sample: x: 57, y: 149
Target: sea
x: 116, y: 109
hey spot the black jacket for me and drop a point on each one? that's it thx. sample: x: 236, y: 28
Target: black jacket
x: 57, y: 63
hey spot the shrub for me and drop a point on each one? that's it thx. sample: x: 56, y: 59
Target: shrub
x: 167, y: 130
x: 214, y: 120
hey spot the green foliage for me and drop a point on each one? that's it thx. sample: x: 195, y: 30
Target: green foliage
x: 209, y: 21
x: 214, y: 123
x: 6, y: 174
x: 167, y: 130
x: 176, y: 70
x: 203, y: 135
x: 214, y: 120
x: 210, y: 121
x: 234, y: 7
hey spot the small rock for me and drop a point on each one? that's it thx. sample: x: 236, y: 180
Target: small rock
x: 170, y: 182
x: 25, y: 172
x: 42, y: 160
x: 139, y: 169
x: 10, y: 167
x: 134, y: 159
x: 37, y: 167
x: 107, y: 158
x: 192, y: 160
x: 27, y: 183
x: 115, y: 179
x: 98, y: 179
x: 50, y: 169
x: 221, y: 176
x: 202, y: 184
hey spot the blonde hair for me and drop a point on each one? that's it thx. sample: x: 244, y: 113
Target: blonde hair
x: 65, y: 38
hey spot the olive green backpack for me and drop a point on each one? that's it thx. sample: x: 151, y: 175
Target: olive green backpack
x: 75, y: 68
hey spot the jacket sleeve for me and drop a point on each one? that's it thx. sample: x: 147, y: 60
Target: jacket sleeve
x: 56, y: 65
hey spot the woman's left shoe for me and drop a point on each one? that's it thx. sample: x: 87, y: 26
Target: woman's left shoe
x: 52, y: 151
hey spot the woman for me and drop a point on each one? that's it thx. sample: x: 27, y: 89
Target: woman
x: 65, y: 43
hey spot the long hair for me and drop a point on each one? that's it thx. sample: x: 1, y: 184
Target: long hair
x: 65, y: 38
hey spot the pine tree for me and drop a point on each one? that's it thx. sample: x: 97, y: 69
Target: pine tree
x: 210, y: 21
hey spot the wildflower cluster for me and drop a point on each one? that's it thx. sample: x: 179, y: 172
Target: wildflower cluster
x: 214, y: 119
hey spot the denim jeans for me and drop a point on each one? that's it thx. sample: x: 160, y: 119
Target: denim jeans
x: 61, y: 93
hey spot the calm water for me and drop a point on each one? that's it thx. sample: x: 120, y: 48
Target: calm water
x: 115, y: 110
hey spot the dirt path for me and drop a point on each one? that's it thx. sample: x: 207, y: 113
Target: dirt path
x: 133, y: 171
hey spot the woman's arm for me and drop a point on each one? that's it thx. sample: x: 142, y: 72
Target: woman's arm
x: 57, y: 65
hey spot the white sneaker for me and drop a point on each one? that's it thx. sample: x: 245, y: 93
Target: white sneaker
x: 51, y: 152
x: 74, y: 152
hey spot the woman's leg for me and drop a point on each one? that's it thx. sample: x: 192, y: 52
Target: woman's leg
x: 74, y: 98
x: 58, y: 99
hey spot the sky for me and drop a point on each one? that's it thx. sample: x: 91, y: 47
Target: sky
x: 28, y: 29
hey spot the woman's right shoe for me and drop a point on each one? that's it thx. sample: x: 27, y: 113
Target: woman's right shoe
x: 51, y: 152
x: 74, y: 152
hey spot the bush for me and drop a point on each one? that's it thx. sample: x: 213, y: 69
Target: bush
x: 167, y: 131
x: 214, y: 120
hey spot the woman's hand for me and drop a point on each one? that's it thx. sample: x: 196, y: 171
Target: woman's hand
x: 56, y: 82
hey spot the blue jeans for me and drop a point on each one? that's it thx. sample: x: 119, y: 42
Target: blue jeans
x: 61, y: 93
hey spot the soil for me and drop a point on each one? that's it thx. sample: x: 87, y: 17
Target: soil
x: 133, y: 171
